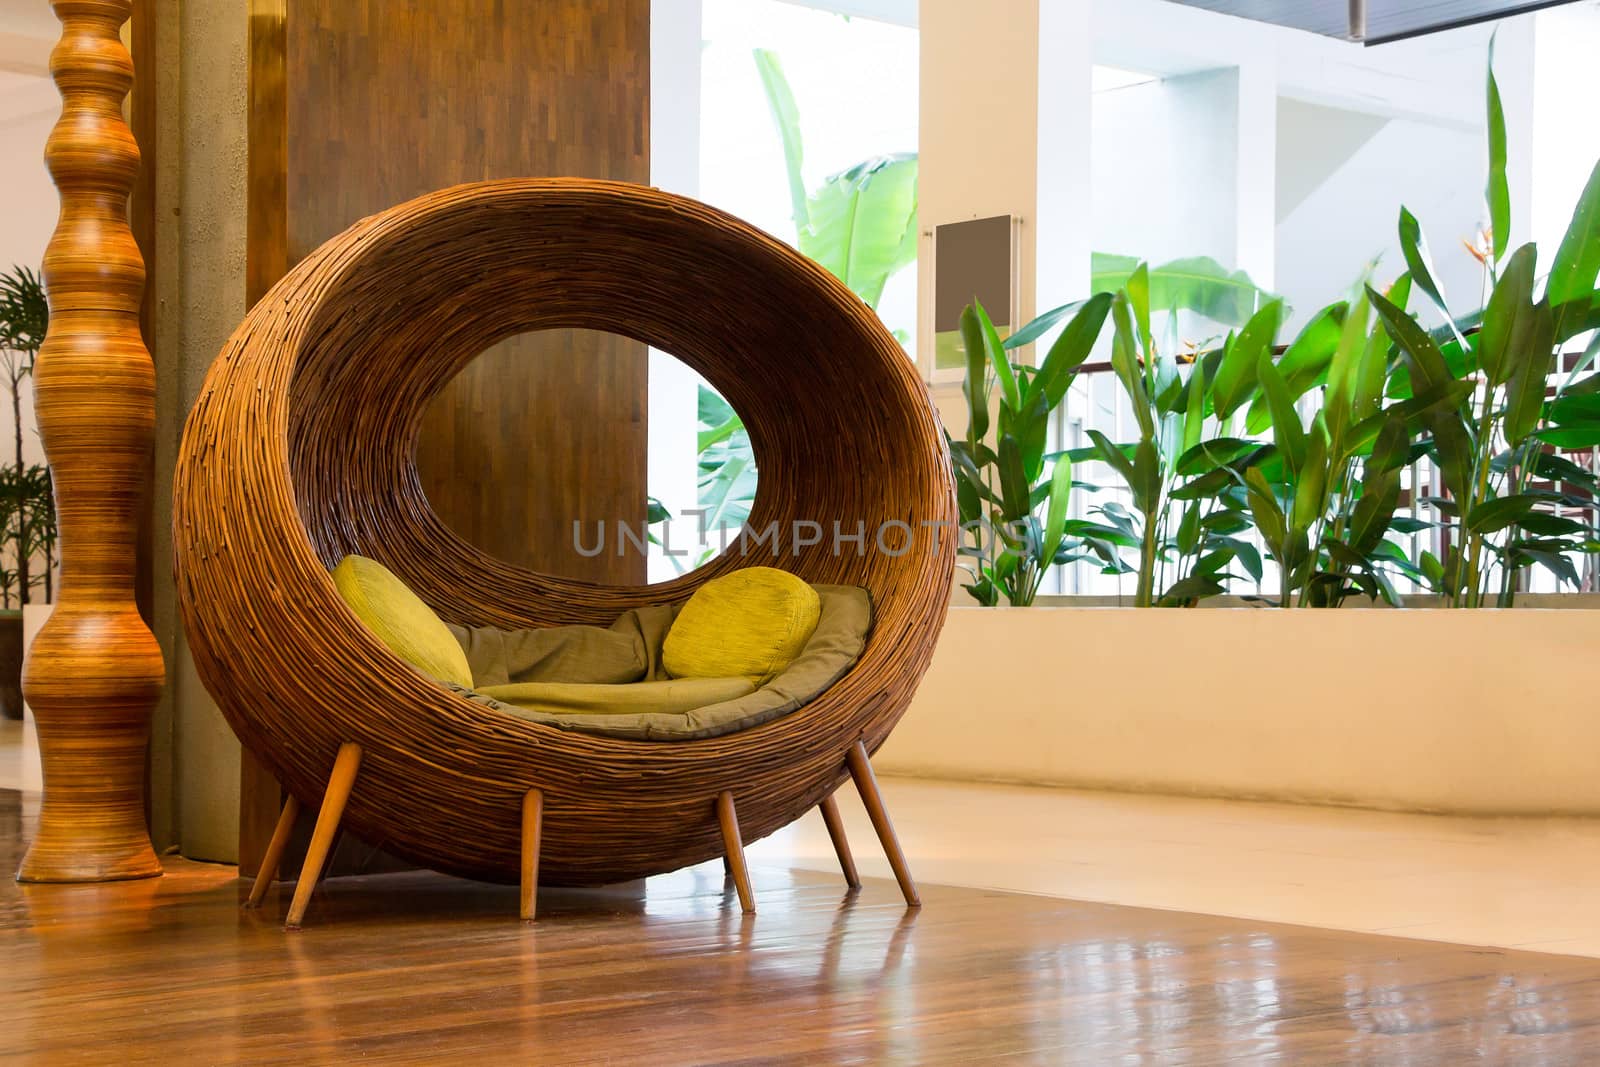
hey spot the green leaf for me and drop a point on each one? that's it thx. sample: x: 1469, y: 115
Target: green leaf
x: 1554, y: 562
x: 1196, y: 284
x: 1305, y: 363
x: 1286, y: 429
x: 1577, y: 263
x: 1248, y: 555
x: 1392, y: 448
x: 976, y: 387
x: 1427, y: 363
x: 780, y: 100
x: 1194, y: 417
x: 1236, y: 375
x: 1069, y: 351
x: 1414, y: 246
x: 1138, y: 290
x: 1310, y: 497
x: 1573, y: 435
x: 1188, y: 537
x: 1373, y: 513
x: 859, y: 221
x: 1146, y: 484
x: 1013, y: 484
x: 1569, y: 408
x: 1543, y: 524
x: 984, y: 592
x: 1114, y: 456
x: 1508, y: 321
x: 1343, y: 369
x: 24, y: 313
x: 1194, y: 587
x: 999, y: 361
x: 968, y: 470
x: 1125, y: 362
x: 718, y: 434
x: 1530, y: 374
x: 1498, y: 193
x: 1056, y: 514
x: 1452, y: 445
x: 1266, y: 510
x: 1044, y: 323
x: 1558, y: 469
x: 1309, y: 357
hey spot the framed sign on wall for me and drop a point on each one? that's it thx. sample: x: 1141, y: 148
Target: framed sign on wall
x: 972, y: 260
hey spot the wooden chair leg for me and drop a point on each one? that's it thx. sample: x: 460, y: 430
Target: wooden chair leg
x: 532, y: 822
x: 733, y: 850
x: 333, y: 801
x: 274, y: 855
x: 867, y: 784
x: 841, y: 845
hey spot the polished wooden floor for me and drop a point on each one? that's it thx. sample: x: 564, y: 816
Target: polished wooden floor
x: 422, y: 968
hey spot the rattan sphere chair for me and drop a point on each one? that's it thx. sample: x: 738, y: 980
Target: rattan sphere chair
x: 300, y: 450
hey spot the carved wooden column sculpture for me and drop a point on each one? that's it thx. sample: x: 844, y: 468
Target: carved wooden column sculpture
x: 93, y: 674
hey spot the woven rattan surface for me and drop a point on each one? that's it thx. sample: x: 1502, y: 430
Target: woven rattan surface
x: 300, y: 450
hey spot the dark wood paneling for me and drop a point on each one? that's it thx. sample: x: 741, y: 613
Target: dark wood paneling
x: 389, y: 99
x: 423, y: 968
x: 266, y: 260
x: 538, y: 432
x: 356, y: 105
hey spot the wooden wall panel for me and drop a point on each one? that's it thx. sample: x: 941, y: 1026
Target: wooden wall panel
x: 356, y: 105
x: 389, y: 99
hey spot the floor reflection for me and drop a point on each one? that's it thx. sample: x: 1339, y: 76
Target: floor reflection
x: 420, y: 966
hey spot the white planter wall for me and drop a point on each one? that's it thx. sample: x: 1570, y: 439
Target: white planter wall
x: 1486, y: 712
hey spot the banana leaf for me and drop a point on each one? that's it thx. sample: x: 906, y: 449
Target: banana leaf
x: 862, y: 223
x: 1197, y: 284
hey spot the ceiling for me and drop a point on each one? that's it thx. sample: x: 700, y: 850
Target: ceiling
x: 1387, y: 20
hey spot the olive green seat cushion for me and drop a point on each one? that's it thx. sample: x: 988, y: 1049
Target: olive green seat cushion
x: 401, y: 620
x: 672, y: 696
x: 751, y: 623
x: 588, y: 665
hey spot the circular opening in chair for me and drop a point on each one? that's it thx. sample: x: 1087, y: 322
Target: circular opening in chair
x: 585, y: 454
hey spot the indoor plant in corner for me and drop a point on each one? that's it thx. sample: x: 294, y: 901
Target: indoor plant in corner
x: 27, y: 508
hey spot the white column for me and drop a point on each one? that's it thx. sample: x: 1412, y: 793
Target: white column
x: 978, y: 137
x: 1257, y: 176
x: 675, y: 43
x: 1064, y: 130
x: 1566, y: 137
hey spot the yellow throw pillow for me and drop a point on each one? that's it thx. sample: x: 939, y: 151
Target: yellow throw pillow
x: 748, y: 624
x: 401, y: 620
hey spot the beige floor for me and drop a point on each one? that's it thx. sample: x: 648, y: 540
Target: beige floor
x: 1513, y: 883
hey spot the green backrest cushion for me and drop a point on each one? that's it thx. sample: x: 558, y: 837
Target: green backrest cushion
x: 401, y: 620
x: 748, y: 624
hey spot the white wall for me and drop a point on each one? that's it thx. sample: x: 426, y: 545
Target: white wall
x: 29, y: 106
x: 1165, y: 159
x: 1566, y: 136
x: 1346, y: 215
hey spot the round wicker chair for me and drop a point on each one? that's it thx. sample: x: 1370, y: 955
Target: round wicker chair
x: 300, y: 450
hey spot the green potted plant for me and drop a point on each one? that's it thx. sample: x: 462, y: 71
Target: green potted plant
x: 1256, y: 447
x: 27, y: 509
